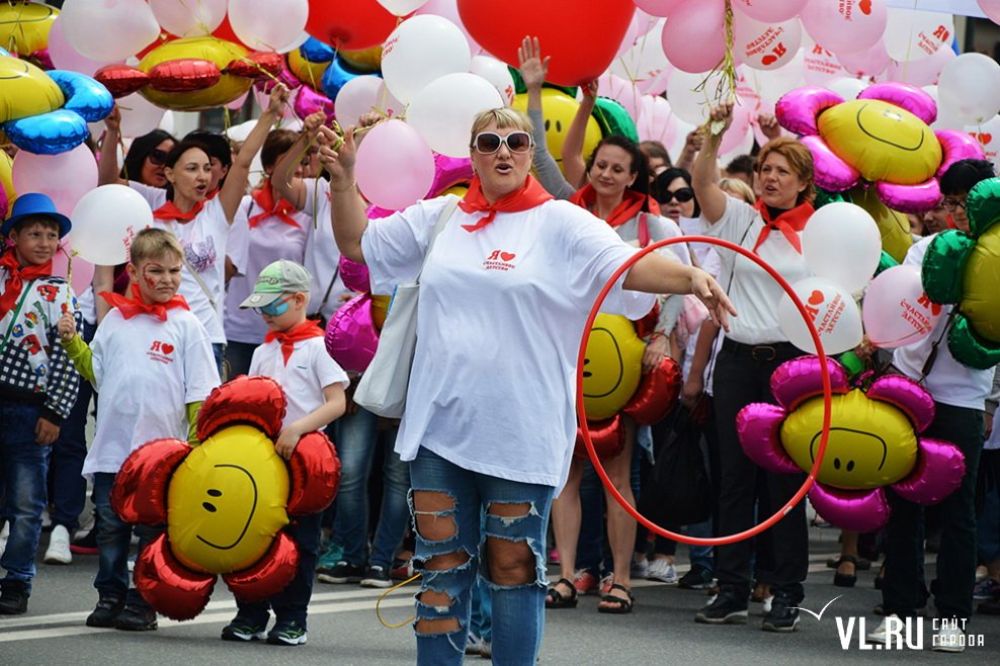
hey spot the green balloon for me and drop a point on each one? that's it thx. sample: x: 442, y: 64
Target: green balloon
x: 614, y: 119
x: 983, y: 206
x: 969, y: 349
x: 823, y: 197
x: 943, y: 265
x: 852, y: 363
x: 885, y: 262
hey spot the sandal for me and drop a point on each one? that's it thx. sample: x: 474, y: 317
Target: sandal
x: 862, y: 563
x: 622, y: 605
x: 555, y: 599
x: 846, y: 580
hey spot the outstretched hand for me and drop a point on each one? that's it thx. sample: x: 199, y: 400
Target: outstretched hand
x: 708, y: 291
x: 532, y: 66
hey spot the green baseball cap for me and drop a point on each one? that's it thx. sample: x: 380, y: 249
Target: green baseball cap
x: 281, y: 277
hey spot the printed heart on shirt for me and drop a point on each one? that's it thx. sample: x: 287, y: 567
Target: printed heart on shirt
x: 507, y: 256
x: 167, y: 349
x: 816, y: 297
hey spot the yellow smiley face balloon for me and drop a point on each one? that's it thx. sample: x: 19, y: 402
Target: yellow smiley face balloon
x: 558, y: 108
x: 25, y: 26
x: 226, y: 501
x: 612, y: 367
x: 6, y: 175
x: 25, y: 90
x: 872, y: 442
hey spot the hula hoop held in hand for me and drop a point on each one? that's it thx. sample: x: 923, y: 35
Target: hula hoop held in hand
x: 824, y: 374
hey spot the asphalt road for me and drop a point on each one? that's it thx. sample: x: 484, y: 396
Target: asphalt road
x: 343, y: 629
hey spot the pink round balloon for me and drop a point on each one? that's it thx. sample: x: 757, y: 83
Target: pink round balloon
x: 622, y: 91
x: 65, y: 177
x: 64, y: 56
x: 770, y: 11
x: 654, y: 121
x: 700, y: 23
x: 308, y: 101
x: 845, y: 25
x: 395, y: 166
x: 736, y: 134
x: 659, y: 7
x: 83, y: 270
x: 855, y: 510
x: 896, y: 311
x: 351, y: 336
x: 866, y: 62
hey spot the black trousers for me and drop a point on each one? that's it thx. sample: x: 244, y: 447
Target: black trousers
x: 903, y: 590
x: 746, y: 492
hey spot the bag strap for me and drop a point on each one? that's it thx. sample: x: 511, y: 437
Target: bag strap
x: 201, y: 283
x: 442, y: 221
x: 329, y: 289
x: 643, y: 230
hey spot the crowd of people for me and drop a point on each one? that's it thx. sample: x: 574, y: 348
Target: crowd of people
x: 479, y: 477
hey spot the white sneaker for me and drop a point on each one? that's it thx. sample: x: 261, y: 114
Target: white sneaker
x: 948, y: 638
x: 879, y: 635
x: 663, y: 571
x: 58, y: 551
x: 640, y: 568
x: 765, y: 604
x: 4, y: 533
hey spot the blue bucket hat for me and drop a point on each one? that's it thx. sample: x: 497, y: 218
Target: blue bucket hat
x: 35, y: 204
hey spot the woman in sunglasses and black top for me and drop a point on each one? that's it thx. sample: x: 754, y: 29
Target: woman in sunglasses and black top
x: 145, y: 161
x: 751, y: 351
x: 490, y: 423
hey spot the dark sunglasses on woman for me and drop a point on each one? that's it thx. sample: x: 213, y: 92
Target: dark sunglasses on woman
x: 682, y: 195
x: 157, y: 157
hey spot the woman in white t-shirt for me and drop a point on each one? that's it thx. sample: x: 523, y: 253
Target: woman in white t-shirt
x: 751, y: 351
x: 490, y: 419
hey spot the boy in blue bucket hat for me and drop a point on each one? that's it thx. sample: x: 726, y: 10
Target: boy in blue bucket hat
x: 38, y: 384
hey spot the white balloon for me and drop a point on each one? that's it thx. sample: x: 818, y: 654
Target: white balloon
x: 971, y: 85
x: 265, y: 25
x: 402, y: 7
x: 842, y: 243
x: 690, y: 101
x: 104, y: 222
x: 912, y: 34
x: 832, y: 310
x: 847, y: 87
x: 139, y: 116
x: 189, y: 18
x: 497, y: 73
x: 422, y: 49
x: 444, y: 110
x: 773, y: 83
x: 820, y: 64
x: 765, y: 45
x: 364, y: 94
x: 645, y: 59
x: 64, y: 56
x: 109, y: 30
x: 988, y: 136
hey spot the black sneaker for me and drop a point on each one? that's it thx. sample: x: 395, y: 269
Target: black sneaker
x: 698, y: 578
x: 377, y: 576
x: 726, y: 608
x: 244, y: 630
x: 14, y: 597
x: 287, y: 633
x: 783, y: 616
x: 108, y: 608
x: 136, y: 617
x: 342, y: 573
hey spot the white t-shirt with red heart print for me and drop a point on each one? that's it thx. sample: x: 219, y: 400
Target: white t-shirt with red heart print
x: 500, y: 320
x: 146, y: 372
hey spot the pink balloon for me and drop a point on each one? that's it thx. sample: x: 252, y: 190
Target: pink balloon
x: 821, y: 65
x: 765, y: 45
x: 845, y: 25
x: 920, y: 72
x: 866, y: 62
x: 351, y: 336
x: 64, y: 56
x: 395, y: 166
x: 3, y: 203
x: 65, y: 177
x: 769, y: 11
x: 991, y: 8
x: 654, y: 120
x: 958, y: 146
x: 308, y: 101
x: 855, y: 510
x: 758, y: 425
x: 937, y: 474
x: 896, y: 311
x: 83, y: 270
x: 622, y: 91
x: 355, y: 274
x: 695, y: 23
x: 449, y: 171
x: 736, y: 134
x: 660, y: 7
x: 641, y: 24
x: 656, y: 85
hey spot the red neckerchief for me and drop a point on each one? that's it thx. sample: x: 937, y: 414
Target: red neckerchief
x: 130, y: 307
x: 16, y: 276
x: 630, y: 206
x: 529, y: 196
x: 264, y: 198
x: 304, y: 331
x: 169, y: 211
x: 790, y: 223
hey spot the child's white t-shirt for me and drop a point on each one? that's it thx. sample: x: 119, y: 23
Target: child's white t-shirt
x: 309, y: 370
x: 146, y: 372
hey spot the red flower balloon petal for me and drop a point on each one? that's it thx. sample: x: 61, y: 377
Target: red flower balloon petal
x: 184, y: 75
x: 314, y: 471
x: 121, y: 80
x: 258, y: 401
x: 657, y: 393
x: 608, y: 437
x: 168, y: 586
x: 139, y: 495
x: 270, y: 575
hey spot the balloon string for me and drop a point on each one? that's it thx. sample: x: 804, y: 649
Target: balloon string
x: 381, y: 598
x: 725, y: 90
x: 69, y: 276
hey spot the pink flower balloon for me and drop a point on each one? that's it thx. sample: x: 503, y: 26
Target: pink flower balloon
x: 695, y: 22
x: 65, y: 177
x: 896, y: 311
x: 395, y: 166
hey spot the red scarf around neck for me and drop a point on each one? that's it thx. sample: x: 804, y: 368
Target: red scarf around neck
x: 169, y: 211
x: 790, y: 223
x: 281, y: 210
x: 529, y: 196
x: 130, y: 307
x: 631, y: 205
x: 304, y: 331
x: 16, y: 277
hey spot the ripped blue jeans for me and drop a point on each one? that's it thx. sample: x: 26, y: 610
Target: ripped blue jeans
x: 456, y: 542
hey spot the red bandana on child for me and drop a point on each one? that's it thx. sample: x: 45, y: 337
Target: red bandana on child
x: 789, y: 223
x: 529, y: 196
x: 630, y: 206
x: 169, y: 211
x: 16, y: 277
x: 282, y: 209
x: 304, y: 331
x: 130, y: 307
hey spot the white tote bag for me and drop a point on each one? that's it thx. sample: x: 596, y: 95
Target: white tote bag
x: 382, y: 389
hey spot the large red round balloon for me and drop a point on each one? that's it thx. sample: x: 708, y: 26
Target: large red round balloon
x: 350, y: 24
x: 581, y: 37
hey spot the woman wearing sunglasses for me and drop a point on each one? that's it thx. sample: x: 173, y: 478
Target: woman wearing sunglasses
x: 145, y: 161
x: 490, y: 419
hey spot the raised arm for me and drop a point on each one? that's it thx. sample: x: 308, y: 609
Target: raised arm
x: 347, y: 208
x: 283, y: 178
x: 107, y: 164
x: 574, y: 163
x: 656, y: 274
x: 705, y: 174
x: 239, y: 173
x: 692, y: 146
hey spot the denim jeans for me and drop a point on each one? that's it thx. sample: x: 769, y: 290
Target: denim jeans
x: 25, y: 465
x: 590, y: 550
x: 113, y: 539
x: 356, y: 437
x: 219, y: 352
x: 238, y: 356
x: 518, y: 610
x: 291, y: 604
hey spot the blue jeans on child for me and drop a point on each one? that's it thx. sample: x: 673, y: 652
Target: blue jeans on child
x: 518, y: 610
x: 113, y: 540
x: 25, y: 467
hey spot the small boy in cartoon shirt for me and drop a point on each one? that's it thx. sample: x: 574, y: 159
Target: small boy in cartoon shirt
x: 38, y: 384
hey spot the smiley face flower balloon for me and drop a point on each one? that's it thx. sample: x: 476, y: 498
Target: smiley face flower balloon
x: 224, y: 502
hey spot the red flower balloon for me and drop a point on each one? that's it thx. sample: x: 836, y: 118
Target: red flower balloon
x: 350, y: 24
x: 167, y: 585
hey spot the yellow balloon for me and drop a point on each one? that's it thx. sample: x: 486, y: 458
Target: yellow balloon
x: 612, y: 367
x: 25, y: 90
x: 457, y: 190
x: 364, y: 60
x: 893, y: 225
x: 981, y: 300
x: 882, y: 141
x: 212, y: 49
x: 227, y: 501
x: 6, y: 175
x: 380, y: 308
x: 558, y: 109
x: 872, y: 443
x: 25, y: 26
x: 310, y: 73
